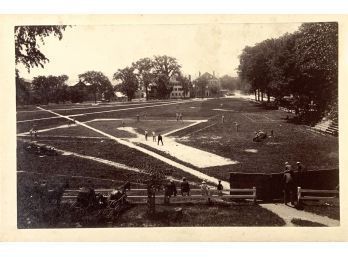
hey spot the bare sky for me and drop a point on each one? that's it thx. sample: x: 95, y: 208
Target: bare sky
x: 204, y: 47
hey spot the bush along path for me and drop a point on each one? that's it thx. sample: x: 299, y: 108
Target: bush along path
x: 288, y: 213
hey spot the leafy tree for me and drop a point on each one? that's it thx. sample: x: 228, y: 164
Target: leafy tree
x: 22, y: 90
x: 97, y: 82
x: 42, y: 89
x: 128, y: 82
x: 164, y: 68
x: 26, y: 44
x: 303, y: 64
x: 51, y: 88
x: 144, y: 69
x: 231, y: 83
x: 316, y: 52
x: 77, y: 94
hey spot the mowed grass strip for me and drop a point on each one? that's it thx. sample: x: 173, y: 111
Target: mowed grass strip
x: 113, y: 151
x: 69, y: 166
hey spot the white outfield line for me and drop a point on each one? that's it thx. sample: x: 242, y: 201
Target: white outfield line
x: 90, y: 121
x: 96, y: 107
x: 88, y: 113
x: 148, y: 152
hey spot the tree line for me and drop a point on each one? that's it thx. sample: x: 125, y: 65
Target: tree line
x: 303, y: 65
x: 150, y: 74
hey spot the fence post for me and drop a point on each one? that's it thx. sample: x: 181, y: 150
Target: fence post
x: 254, y: 195
x: 298, y: 195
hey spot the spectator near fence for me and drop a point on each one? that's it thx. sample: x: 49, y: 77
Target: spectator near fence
x: 185, y: 187
x: 169, y: 191
x: 205, y: 190
x: 289, y: 184
x: 219, y: 188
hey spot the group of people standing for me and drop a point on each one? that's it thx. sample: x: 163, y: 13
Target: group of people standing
x: 170, y: 189
x: 291, y: 181
x: 179, y: 116
x: 159, y: 137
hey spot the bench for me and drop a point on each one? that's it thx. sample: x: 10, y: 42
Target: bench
x: 313, y: 194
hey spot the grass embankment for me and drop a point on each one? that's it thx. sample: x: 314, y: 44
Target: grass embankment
x: 330, y: 209
x: 193, y: 215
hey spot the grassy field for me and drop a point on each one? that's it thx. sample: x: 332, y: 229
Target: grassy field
x: 290, y: 142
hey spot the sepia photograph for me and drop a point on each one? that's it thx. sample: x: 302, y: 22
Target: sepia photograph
x: 209, y: 124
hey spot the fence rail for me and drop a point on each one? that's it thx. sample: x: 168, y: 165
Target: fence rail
x: 140, y: 195
x: 315, y: 194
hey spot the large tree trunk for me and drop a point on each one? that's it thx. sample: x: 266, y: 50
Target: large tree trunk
x: 268, y: 98
x: 258, y: 95
x: 261, y: 96
x: 255, y: 95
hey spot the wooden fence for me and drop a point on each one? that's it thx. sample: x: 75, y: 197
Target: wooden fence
x: 311, y: 194
x: 140, y: 195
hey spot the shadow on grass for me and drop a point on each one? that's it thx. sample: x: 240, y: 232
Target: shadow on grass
x: 306, y: 223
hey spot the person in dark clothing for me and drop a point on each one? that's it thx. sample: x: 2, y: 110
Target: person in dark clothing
x: 159, y: 139
x: 289, y: 186
x: 169, y: 190
x: 219, y: 188
x: 299, y: 167
x: 185, y: 187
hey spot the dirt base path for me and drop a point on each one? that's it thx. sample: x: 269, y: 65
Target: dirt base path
x: 288, y: 213
x: 188, y: 154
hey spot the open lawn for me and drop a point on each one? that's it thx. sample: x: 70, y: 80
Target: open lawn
x: 291, y: 142
x: 100, y: 155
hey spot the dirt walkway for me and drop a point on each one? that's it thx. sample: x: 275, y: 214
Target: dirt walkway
x: 288, y: 213
x: 188, y: 154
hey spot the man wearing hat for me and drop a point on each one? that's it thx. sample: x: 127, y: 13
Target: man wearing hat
x: 185, y: 187
x: 169, y: 190
x: 205, y: 190
x: 288, y: 184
